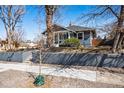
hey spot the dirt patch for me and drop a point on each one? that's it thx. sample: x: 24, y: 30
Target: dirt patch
x: 19, y: 79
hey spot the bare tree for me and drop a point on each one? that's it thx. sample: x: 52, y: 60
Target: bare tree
x: 108, y: 30
x: 52, y: 16
x: 11, y: 16
x: 119, y: 37
x: 108, y: 11
x: 18, y: 37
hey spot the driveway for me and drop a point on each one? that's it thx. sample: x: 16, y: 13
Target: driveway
x: 49, y: 70
x: 23, y: 75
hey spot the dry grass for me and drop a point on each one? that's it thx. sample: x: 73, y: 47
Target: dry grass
x: 20, y: 79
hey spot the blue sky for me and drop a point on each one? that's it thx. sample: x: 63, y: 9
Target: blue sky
x: 67, y: 14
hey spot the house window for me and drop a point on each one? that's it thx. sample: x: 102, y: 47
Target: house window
x: 72, y: 34
x: 80, y: 35
x: 65, y: 35
x: 61, y: 37
x: 86, y: 35
x: 56, y: 38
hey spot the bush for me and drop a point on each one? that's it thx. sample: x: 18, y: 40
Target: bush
x: 96, y: 42
x: 72, y: 42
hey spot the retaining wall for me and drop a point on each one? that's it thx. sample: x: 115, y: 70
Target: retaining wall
x: 20, y: 56
x: 81, y: 59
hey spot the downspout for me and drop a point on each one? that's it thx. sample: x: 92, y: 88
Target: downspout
x: 90, y: 38
x: 58, y: 39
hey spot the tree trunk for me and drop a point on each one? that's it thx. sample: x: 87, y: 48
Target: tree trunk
x: 9, y: 40
x: 49, y: 17
x: 49, y: 30
x: 9, y: 27
x: 120, y: 44
x: 116, y: 40
x: 118, y: 30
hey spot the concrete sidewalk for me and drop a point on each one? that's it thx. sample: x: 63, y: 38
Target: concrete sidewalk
x: 47, y: 70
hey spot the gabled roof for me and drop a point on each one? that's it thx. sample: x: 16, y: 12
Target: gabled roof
x: 79, y: 28
x: 56, y: 27
x: 73, y: 28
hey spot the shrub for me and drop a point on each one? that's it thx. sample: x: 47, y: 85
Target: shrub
x: 96, y: 42
x: 72, y: 42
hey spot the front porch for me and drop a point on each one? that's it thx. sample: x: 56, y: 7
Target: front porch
x: 60, y: 36
x: 85, y: 37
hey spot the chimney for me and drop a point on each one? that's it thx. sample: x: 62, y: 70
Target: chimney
x: 70, y: 24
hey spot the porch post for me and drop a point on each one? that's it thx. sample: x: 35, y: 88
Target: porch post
x: 77, y: 35
x: 91, y: 38
x: 58, y: 39
x: 69, y: 35
x: 83, y: 35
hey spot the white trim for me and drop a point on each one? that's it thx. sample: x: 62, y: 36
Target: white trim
x: 69, y: 35
x: 77, y: 35
x: 61, y: 31
x: 58, y: 39
x: 82, y: 35
x: 90, y: 38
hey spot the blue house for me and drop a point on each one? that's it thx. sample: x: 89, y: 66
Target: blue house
x: 84, y: 34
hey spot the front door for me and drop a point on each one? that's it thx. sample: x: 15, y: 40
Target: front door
x: 80, y: 37
x: 87, y: 39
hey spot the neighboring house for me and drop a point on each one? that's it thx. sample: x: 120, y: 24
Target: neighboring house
x: 28, y: 44
x: 84, y: 34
